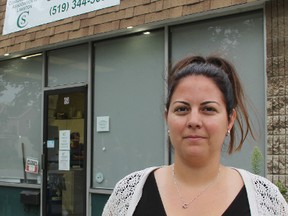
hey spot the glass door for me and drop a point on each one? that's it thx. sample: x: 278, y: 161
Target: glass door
x: 64, y: 176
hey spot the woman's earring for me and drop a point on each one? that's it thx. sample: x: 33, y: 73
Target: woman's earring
x: 168, y: 131
x: 228, y: 132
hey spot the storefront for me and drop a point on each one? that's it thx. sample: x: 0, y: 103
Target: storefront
x: 80, y: 110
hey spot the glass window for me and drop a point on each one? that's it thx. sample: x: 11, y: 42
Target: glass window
x: 68, y: 65
x: 20, y: 117
x: 240, y: 39
x: 129, y: 94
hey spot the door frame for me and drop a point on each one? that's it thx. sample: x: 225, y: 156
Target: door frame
x: 44, y: 158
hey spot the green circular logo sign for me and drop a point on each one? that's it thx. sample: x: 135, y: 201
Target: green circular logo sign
x: 22, y: 19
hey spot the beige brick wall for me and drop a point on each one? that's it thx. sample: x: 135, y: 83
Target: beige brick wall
x: 277, y: 89
x: 129, y: 12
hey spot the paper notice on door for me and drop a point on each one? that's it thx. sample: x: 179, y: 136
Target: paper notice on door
x: 64, y: 140
x: 50, y: 144
x: 64, y: 160
x: 31, y: 165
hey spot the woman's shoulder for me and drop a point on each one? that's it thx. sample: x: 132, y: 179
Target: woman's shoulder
x: 257, y: 180
x: 269, y: 199
x: 124, y: 191
x: 259, y: 183
x: 133, y: 179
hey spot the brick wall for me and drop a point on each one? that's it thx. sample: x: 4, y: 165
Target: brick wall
x: 277, y: 89
x: 129, y: 12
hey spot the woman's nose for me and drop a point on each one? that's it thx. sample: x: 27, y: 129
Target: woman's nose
x: 194, y: 120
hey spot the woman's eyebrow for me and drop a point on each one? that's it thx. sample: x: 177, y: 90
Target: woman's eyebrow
x: 183, y: 102
x: 203, y: 103
x: 208, y: 102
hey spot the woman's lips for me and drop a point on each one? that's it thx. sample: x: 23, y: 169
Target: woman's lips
x: 194, y: 137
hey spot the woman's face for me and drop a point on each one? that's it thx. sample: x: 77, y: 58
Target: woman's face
x: 197, y: 119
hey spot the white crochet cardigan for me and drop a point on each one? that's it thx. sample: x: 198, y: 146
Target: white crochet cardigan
x: 263, y: 196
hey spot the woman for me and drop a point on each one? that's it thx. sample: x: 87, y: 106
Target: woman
x: 204, y: 100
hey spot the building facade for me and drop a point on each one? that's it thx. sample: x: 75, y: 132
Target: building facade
x: 82, y: 97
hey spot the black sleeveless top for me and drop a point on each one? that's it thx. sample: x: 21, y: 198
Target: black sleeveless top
x: 151, y: 204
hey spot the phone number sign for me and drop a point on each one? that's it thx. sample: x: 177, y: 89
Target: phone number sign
x: 24, y: 14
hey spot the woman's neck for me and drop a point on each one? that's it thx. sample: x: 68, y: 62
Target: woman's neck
x: 196, y: 176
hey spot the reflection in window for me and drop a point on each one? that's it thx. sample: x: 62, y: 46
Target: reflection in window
x: 129, y: 89
x: 20, y: 116
x: 240, y: 39
x: 68, y: 65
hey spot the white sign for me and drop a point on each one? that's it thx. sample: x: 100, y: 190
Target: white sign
x: 24, y: 14
x: 102, y: 123
x: 31, y: 165
x: 50, y: 143
x: 64, y: 160
x: 64, y: 140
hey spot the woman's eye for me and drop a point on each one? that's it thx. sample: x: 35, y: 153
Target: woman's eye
x: 209, y: 109
x: 181, y: 109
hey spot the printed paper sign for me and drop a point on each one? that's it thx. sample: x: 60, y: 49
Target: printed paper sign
x: 102, y: 123
x: 64, y: 140
x: 64, y: 160
x: 31, y: 165
x: 50, y: 143
x: 24, y: 14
